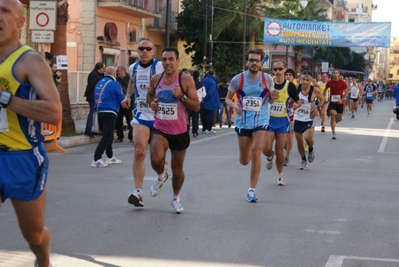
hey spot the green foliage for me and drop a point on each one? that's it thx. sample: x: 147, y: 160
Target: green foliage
x: 342, y: 58
x: 228, y: 27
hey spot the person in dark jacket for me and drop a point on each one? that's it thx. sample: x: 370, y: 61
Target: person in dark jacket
x: 123, y: 78
x: 194, y: 115
x: 210, y: 103
x: 223, y: 89
x: 93, y: 78
x: 108, y: 96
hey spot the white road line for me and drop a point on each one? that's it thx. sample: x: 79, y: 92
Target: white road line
x: 385, y: 139
x: 337, y: 261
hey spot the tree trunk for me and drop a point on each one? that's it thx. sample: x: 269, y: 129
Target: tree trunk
x: 58, y: 48
x: 298, y: 58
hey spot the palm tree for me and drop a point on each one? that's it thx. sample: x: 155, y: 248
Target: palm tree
x: 59, y: 48
x: 249, y: 10
x: 292, y: 9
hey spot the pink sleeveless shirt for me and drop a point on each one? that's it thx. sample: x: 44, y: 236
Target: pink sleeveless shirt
x: 171, y: 115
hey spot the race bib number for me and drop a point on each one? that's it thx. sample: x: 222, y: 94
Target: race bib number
x: 303, y: 111
x: 143, y: 106
x: 252, y: 103
x: 3, y: 120
x: 335, y: 98
x: 369, y: 94
x: 276, y: 108
x: 167, y: 111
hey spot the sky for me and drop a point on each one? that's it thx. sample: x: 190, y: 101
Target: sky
x: 387, y: 11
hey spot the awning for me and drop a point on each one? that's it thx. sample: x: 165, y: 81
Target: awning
x: 110, y: 51
x: 134, y: 54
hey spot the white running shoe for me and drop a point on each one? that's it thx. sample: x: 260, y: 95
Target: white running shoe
x: 177, y: 207
x: 269, y: 163
x: 113, y: 160
x: 136, y: 199
x: 311, y: 156
x: 304, y: 165
x: 280, y: 180
x: 99, y: 163
x: 156, y: 187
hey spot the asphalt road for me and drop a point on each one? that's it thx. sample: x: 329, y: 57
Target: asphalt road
x: 343, y: 211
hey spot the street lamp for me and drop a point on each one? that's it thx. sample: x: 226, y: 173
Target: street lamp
x: 304, y: 4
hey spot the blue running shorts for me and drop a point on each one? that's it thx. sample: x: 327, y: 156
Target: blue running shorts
x: 23, y: 174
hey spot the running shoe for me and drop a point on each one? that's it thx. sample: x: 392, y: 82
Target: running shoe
x: 251, y: 197
x: 37, y: 265
x: 287, y: 161
x: 353, y: 116
x: 177, y: 207
x: 99, y: 163
x: 156, y: 187
x: 136, y: 199
x: 311, y: 156
x: 334, y: 136
x: 280, y: 180
x: 368, y: 114
x: 304, y: 165
x: 323, y: 129
x: 336, y: 120
x: 113, y: 160
x: 269, y: 163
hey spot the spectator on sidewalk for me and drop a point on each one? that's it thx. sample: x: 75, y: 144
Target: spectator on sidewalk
x: 93, y: 78
x: 108, y: 96
x: 123, y: 79
x: 210, y: 103
x: 223, y: 89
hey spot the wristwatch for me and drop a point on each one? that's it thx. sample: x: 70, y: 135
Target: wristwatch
x: 183, y: 98
x: 5, y: 98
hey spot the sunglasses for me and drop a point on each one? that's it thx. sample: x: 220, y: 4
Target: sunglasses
x: 276, y: 69
x: 253, y: 60
x: 142, y: 48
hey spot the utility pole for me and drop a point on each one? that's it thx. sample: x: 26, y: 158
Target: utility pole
x: 211, y: 36
x: 205, y: 37
x: 167, y: 20
x: 244, y: 35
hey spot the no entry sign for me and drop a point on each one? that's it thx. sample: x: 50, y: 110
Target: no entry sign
x: 42, y: 15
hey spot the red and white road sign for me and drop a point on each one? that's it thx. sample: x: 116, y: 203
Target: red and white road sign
x: 42, y: 15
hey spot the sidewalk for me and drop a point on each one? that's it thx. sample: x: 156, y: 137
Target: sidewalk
x: 77, y: 140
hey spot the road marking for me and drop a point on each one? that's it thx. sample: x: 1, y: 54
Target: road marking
x: 386, y: 136
x: 337, y: 261
x: 323, y: 232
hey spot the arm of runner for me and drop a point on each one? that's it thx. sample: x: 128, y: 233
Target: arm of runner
x: 126, y: 103
x: 48, y: 107
x: 230, y: 102
x: 190, y: 98
x: 151, y: 97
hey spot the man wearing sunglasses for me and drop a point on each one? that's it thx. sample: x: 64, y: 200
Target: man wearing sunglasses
x: 143, y: 120
x: 279, y: 125
x: 253, y: 91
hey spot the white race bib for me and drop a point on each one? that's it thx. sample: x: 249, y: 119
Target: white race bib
x: 3, y: 120
x: 277, y: 109
x: 143, y: 106
x: 369, y: 94
x: 252, y: 103
x: 167, y: 111
x: 335, y: 98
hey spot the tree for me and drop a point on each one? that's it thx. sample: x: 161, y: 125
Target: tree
x: 337, y: 56
x: 227, y: 32
x: 59, y: 48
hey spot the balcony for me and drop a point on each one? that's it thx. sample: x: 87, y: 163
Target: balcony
x: 134, y: 8
x: 158, y: 24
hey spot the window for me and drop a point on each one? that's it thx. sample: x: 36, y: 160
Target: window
x: 108, y: 60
